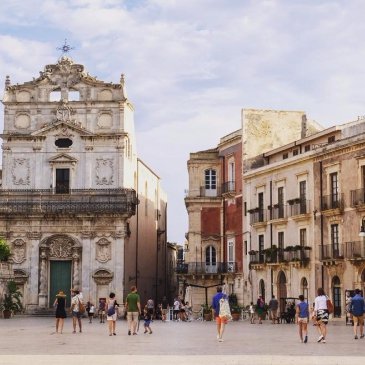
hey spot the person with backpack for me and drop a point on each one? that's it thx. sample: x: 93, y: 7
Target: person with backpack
x: 220, y: 321
x: 357, y: 311
x: 322, y: 314
x: 302, y: 315
x: 111, y: 314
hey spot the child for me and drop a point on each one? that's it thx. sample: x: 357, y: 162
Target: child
x: 252, y: 313
x: 302, y: 314
x: 147, y: 320
x: 91, y: 312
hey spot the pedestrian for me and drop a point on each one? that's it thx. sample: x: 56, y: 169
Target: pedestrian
x: 357, y: 311
x: 151, y: 307
x: 165, y: 308
x: 302, y: 315
x: 91, y: 312
x: 101, y: 309
x: 252, y: 313
x: 112, y: 313
x: 220, y: 321
x: 75, y: 310
x: 322, y: 314
x: 147, y: 320
x: 60, y: 304
x: 273, y: 308
x: 182, y: 313
x: 176, y: 309
x: 188, y: 312
x: 260, y: 306
x: 133, y: 308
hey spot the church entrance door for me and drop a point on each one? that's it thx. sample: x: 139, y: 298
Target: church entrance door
x: 60, y: 279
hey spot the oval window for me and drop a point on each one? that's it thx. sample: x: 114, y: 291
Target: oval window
x: 63, y: 142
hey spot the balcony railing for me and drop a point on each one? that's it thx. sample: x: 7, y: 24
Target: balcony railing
x: 201, y: 268
x: 355, y: 250
x: 47, y: 201
x: 331, y: 252
x: 228, y: 187
x: 299, y: 208
x: 258, y: 215
x: 279, y: 211
x: 357, y: 197
x: 280, y: 255
x: 333, y: 201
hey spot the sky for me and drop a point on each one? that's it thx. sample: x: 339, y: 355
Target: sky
x: 192, y: 65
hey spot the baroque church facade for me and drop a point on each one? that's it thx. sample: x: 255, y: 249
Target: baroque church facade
x: 75, y: 199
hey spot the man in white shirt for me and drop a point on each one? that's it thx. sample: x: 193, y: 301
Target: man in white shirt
x: 75, y: 309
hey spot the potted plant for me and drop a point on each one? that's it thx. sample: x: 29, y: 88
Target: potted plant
x: 207, y: 312
x: 12, y: 300
x: 236, y: 312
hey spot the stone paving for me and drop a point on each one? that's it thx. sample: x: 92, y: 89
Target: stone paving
x: 31, y: 340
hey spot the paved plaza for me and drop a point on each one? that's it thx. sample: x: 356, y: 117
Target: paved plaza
x: 28, y: 340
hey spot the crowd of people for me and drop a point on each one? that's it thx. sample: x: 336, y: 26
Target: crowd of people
x: 109, y: 310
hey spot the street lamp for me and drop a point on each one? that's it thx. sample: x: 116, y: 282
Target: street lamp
x: 362, y: 228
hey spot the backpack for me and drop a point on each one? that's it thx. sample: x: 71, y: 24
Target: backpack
x: 81, y: 307
x: 329, y: 306
x: 224, y: 310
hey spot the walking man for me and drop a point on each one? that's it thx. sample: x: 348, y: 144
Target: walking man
x: 75, y: 309
x: 302, y: 314
x: 221, y: 322
x: 133, y: 308
x: 273, y: 307
x: 357, y: 311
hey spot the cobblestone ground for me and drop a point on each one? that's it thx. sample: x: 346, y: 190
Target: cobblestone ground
x: 33, y: 340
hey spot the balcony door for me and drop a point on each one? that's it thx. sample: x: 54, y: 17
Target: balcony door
x: 62, y: 181
x: 334, y: 190
x: 230, y: 255
x: 335, y: 241
x: 210, y: 182
x: 210, y: 260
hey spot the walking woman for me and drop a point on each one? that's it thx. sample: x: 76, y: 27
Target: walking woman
x: 60, y: 304
x: 112, y: 311
x: 322, y: 314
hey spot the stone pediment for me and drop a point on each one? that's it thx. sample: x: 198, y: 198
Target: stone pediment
x: 63, y: 158
x: 65, y: 129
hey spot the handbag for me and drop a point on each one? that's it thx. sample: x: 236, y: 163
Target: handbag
x: 81, y: 307
x: 111, y: 311
x: 329, y: 306
x: 224, y: 309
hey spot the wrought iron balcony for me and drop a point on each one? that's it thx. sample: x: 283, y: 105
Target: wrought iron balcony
x: 299, y: 207
x: 201, y: 268
x: 279, y: 211
x: 355, y: 250
x: 289, y: 254
x: 257, y: 215
x: 331, y: 252
x: 333, y: 201
x: 76, y: 201
x: 229, y: 187
x: 358, y: 198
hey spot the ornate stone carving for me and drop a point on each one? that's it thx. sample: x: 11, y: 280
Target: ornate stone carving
x: 103, y: 250
x: 22, y: 121
x: 18, y: 251
x: 103, y: 277
x: 60, y: 247
x: 20, y: 171
x: 104, y: 171
x: 20, y: 276
x: 105, y: 120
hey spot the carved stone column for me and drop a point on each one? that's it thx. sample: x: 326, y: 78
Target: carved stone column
x: 43, y: 279
x: 76, y: 273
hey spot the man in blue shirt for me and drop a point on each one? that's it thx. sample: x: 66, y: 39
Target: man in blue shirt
x: 357, y: 311
x: 221, y: 322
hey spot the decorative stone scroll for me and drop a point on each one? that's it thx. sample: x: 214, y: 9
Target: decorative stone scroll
x: 20, y: 171
x: 18, y: 251
x: 104, y: 171
x: 103, y: 250
x: 103, y: 276
x: 60, y: 247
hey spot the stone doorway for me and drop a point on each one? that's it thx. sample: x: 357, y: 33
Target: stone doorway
x: 60, y: 279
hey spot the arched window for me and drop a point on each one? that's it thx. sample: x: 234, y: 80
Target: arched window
x: 210, y: 182
x: 210, y: 259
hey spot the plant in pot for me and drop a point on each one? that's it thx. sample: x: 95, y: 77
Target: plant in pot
x: 207, y: 312
x: 12, y: 300
x: 236, y: 311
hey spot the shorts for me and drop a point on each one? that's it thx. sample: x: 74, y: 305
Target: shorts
x: 220, y: 320
x: 303, y: 320
x: 147, y: 323
x: 112, y: 318
x: 358, y: 320
x: 274, y: 313
x: 132, y: 316
x: 76, y: 314
x: 322, y: 316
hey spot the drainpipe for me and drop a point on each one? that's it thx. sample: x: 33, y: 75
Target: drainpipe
x: 271, y: 240
x: 137, y: 236
x: 223, y: 248
x: 321, y: 205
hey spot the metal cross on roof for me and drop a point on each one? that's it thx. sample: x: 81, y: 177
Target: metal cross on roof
x: 65, y: 48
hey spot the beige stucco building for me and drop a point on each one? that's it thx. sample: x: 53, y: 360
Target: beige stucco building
x: 77, y: 206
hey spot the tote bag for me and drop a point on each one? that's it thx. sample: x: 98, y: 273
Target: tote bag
x: 224, y: 310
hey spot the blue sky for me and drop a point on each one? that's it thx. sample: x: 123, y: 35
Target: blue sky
x: 191, y: 65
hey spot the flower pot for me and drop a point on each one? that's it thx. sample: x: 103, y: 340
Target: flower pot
x: 207, y: 316
x: 236, y: 316
x: 6, y: 314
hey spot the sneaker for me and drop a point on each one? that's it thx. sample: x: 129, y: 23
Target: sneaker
x: 217, y: 337
x: 323, y: 341
x: 221, y: 340
x: 145, y: 331
x: 356, y: 337
x: 129, y: 333
x: 305, y: 339
x: 320, y: 338
x: 114, y: 334
x: 151, y: 333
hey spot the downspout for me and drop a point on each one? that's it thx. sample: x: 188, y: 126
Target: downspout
x: 165, y: 254
x: 322, y: 233
x: 137, y: 236
x: 271, y: 240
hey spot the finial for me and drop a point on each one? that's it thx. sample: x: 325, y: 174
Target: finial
x: 122, y: 79
x: 66, y: 48
x: 7, y: 81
